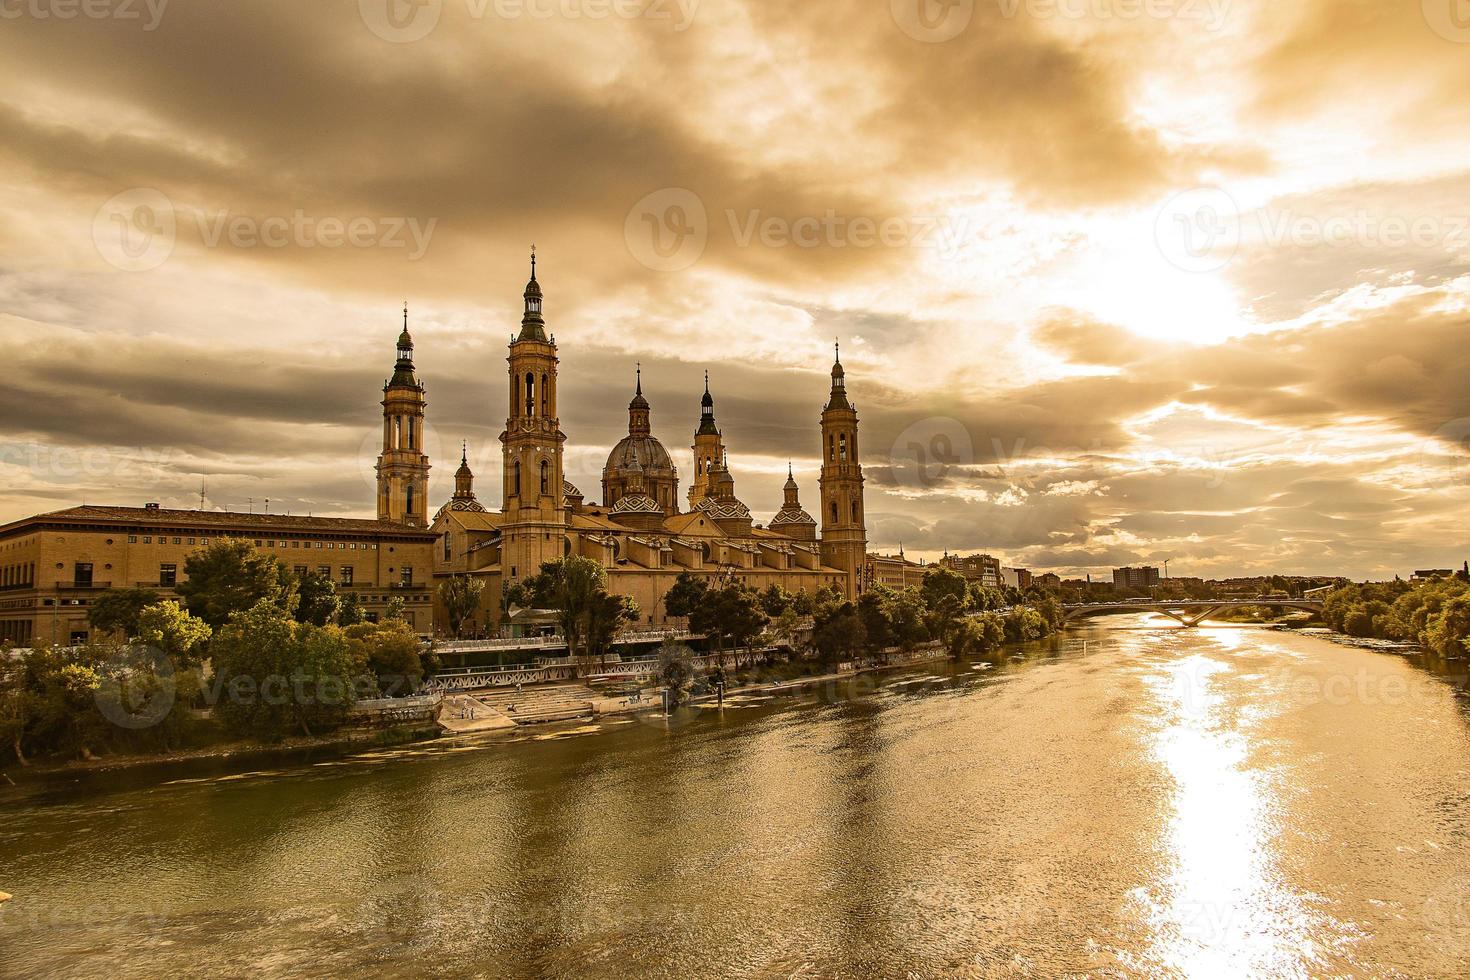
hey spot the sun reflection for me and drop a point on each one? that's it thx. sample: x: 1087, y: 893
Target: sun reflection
x: 1224, y: 909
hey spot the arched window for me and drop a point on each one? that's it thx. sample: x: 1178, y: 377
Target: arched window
x: 834, y: 512
x: 530, y: 394
x: 397, y: 432
x: 832, y: 448
x: 516, y: 486
x: 842, y: 447
x: 408, y: 500
x: 855, y: 511
x: 447, y: 550
x: 545, y: 477
x: 410, y: 433
x: 545, y: 403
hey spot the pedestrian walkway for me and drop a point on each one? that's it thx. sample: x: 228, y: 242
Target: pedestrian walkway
x: 466, y: 713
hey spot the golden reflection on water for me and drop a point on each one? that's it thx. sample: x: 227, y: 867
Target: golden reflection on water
x: 1225, y: 910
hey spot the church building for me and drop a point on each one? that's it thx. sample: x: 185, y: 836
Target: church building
x: 638, y: 533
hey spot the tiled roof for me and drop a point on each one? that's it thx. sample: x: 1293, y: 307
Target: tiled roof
x: 217, y: 520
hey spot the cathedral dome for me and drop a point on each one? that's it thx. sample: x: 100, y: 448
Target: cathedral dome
x: 643, y: 453
x: 788, y: 516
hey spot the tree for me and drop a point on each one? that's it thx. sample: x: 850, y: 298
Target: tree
x: 18, y: 704
x: 905, y: 611
x: 838, y: 633
x: 675, y: 671
x: 803, y: 603
x: 116, y: 611
x: 227, y: 577
x: 685, y: 595
x: 730, y: 613
x: 940, y: 582
x: 460, y: 595
x: 945, y: 620
x: 316, y: 599
x: 607, y: 614
x: 775, y: 600
x: 396, y: 609
x: 872, y: 607
x: 570, y: 586
x: 392, y: 654
x: 1448, y: 631
x: 170, y: 629
x: 278, y: 675
x: 351, y: 612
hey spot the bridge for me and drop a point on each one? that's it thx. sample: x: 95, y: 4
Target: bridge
x: 1189, y: 612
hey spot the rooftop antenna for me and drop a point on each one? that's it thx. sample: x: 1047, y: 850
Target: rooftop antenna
x: 1166, y: 568
x: 201, y: 491
x: 267, y: 505
x: 251, y: 505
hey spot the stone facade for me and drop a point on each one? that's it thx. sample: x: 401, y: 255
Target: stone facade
x: 53, y: 565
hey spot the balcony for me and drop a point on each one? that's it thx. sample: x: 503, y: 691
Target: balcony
x: 84, y: 586
x: 409, y: 586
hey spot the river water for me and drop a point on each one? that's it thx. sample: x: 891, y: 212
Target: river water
x: 1121, y: 801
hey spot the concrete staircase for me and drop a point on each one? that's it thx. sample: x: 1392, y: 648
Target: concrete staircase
x: 540, y: 702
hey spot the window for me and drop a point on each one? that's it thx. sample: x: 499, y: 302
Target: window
x: 545, y: 477
x: 530, y: 394
x: 147, y: 539
x: 82, y: 574
x: 516, y: 486
x: 408, y: 576
x: 204, y: 542
x: 408, y: 500
x: 132, y: 539
x: 842, y: 447
x: 448, y: 548
x: 168, y: 575
x: 397, y: 432
x: 834, y: 512
x: 410, y: 433
x: 178, y: 540
x: 544, y: 403
x: 257, y: 542
x: 832, y: 448
x: 346, y: 575
x: 325, y: 571
x: 854, y: 511
x: 191, y: 542
x: 300, y: 570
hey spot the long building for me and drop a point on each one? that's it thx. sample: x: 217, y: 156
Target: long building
x: 52, y: 566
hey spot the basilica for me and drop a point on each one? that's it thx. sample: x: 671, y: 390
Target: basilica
x: 641, y: 532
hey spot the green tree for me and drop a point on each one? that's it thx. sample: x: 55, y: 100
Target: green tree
x: 732, y: 613
x: 570, y: 586
x: 392, y: 654
x: 940, y: 582
x: 872, y: 607
x: 396, y: 609
x: 460, y: 595
x: 675, y: 671
x: 278, y: 676
x: 775, y: 600
x: 608, y: 613
x: 116, y: 611
x: 905, y: 611
x: 227, y: 577
x: 351, y: 613
x: 167, y: 627
x: 838, y: 633
x: 803, y: 603
x: 685, y: 595
x: 316, y: 599
x: 1448, y: 633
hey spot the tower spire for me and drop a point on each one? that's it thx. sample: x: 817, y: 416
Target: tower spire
x: 533, y: 324
x: 640, y: 379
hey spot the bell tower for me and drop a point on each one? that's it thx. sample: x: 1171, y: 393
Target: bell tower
x: 403, y: 467
x: 844, y: 537
x: 534, y: 530
x: 708, y: 448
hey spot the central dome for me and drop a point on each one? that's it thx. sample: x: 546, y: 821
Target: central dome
x: 639, y: 452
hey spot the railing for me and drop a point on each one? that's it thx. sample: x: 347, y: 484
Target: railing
x: 83, y: 585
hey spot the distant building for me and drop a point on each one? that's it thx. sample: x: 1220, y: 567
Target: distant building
x: 1136, y: 578
x: 984, y: 569
x: 1015, y: 578
x: 1430, y: 574
x: 1049, y: 580
x: 894, y: 571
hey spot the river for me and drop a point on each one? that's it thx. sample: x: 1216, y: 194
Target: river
x: 1120, y: 801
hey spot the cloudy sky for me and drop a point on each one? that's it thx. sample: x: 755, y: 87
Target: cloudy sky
x: 1116, y: 280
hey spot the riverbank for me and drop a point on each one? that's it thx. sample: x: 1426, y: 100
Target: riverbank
x: 220, y: 755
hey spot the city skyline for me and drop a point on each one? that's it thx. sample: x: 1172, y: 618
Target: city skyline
x: 1278, y: 389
